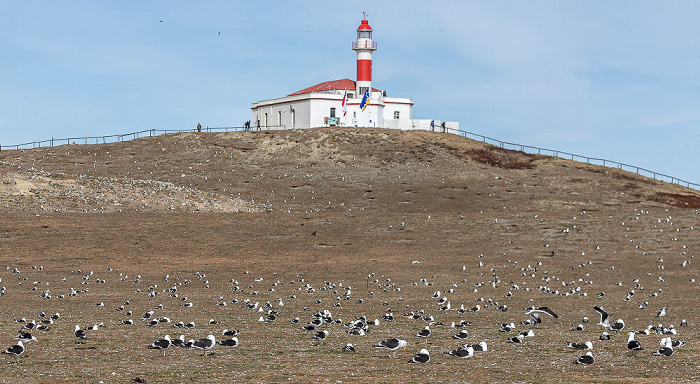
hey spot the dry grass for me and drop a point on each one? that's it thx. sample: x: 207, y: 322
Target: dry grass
x: 395, y: 198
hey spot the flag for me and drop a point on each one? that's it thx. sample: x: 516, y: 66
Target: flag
x: 345, y: 103
x: 365, y: 100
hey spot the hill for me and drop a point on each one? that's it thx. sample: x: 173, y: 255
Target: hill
x: 256, y: 172
x: 356, y: 222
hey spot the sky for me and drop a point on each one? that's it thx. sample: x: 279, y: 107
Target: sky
x: 618, y: 80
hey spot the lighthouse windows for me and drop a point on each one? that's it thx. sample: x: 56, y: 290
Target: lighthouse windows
x: 364, y: 34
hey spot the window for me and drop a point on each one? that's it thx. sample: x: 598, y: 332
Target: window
x: 364, y: 35
x: 294, y: 117
x: 396, y: 115
x: 332, y: 112
x: 279, y: 118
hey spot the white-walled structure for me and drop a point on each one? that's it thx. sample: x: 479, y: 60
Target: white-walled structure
x: 321, y: 105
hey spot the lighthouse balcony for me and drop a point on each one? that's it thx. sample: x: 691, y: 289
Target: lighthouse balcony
x: 364, y: 45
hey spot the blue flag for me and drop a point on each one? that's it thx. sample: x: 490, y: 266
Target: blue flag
x: 365, y: 100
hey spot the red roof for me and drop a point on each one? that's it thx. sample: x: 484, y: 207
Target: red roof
x: 341, y: 84
x: 364, y: 25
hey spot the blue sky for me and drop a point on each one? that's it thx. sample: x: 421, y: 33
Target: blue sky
x: 617, y: 80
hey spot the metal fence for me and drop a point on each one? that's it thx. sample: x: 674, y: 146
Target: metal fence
x: 502, y: 144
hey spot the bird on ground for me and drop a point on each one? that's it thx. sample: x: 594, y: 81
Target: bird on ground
x: 423, y: 356
x: 79, y: 333
x: 15, y: 350
x: 586, y: 359
x: 542, y: 310
x: 633, y: 344
x: 392, y: 345
x: 604, y: 336
x: 661, y: 313
x: 426, y: 332
x: 348, y: 348
x: 463, y: 334
x: 618, y: 325
x: 586, y: 345
x: 232, y: 342
x: 666, y: 350
x: 163, y: 344
x: 205, y: 344
x: 320, y: 336
x: 462, y: 353
x: 25, y: 337
x: 179, y: 342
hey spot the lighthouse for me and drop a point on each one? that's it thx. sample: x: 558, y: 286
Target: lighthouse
x: 339, y: 102
x: 364, y: 46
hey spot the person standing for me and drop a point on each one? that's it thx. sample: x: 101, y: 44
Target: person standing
x: 199, y: 127
x: 432, y: 125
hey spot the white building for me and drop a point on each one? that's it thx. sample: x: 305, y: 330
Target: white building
x: 321, y: 105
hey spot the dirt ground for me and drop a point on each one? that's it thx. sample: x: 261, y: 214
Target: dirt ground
x: 358, y: 222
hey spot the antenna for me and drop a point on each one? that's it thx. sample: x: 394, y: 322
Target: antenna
x: 364, y: 15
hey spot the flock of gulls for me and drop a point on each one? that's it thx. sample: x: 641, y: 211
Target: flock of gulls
x: 317, y: 303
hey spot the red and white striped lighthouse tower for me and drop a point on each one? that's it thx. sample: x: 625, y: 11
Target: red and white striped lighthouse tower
x: 364, y: 47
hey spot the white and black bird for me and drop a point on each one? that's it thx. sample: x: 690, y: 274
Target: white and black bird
x: 226, y: 332
x: 461, y: 352
x: 662, y: 312
x: 15, y: 350
x: 320, y: 336
x: 586, y: 359
x: 179, y: 342
x: 633, y: 344
x: 423, y: 356
x: 516, y: 339
x: 477, y: 347
x: 604, y: 336
x: 666, y: 350
x: 392, y: 344
x: 25, y: 337
x: 232, y: 342
x: 586, y: 345
x: 604, y: 317
x: 425, y: 332
x: 618, y: 325
x: 348, y: 348
x: 205, y: 344
x: 542, y: 310
x: 163, y: 344
x: 461, y: 335
x: 674, y: 343
x: 79, y: 333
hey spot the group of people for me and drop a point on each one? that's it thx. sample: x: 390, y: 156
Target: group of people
x: 442, y: 125
x: 246, y: 126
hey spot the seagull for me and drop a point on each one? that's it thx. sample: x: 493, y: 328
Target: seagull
x: 392, y: 344
x: 205, y: 344
x: 163, y: 344
x: 226, y: 332
x: 604, y: 317
x: 424, y: 332
x: 516, y: 339
x: 348, y: 347
x: 461, y: 335
x: 661, y: 313
x: 618, y: 325
x: 462, y: 353
x: 232, y: 342
x: 320, y: 336
x: 674, y: 343
x: 542, y: 310
x: 79, y: 333
x: 423, y: 356
x: 586, y: 359
x: 604, y: 336
x: 15, y: 350
x: 633, y: 344
x: 477, y: 347
x: 666, y: 350
x: 179, y: 342
x: 25, y: 337
x: 586, y: 345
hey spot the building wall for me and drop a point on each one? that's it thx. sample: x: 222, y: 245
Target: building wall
x: 310, y: 110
